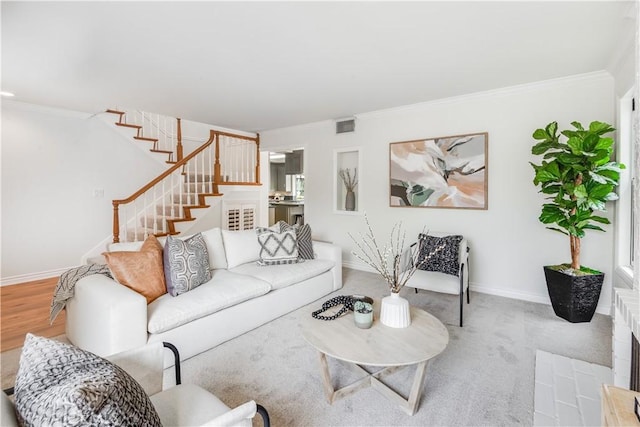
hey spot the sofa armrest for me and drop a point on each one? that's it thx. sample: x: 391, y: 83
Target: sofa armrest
x: 332, y: 252
x: 105, y: 317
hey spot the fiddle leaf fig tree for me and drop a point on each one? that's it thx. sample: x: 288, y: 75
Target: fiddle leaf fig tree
x: 578, y: 176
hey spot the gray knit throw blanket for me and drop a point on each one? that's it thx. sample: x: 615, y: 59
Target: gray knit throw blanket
x: 67, y: 283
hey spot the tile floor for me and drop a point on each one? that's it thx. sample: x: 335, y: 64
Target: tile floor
x: 567, y: 391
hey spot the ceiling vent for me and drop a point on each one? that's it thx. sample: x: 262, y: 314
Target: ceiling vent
x: 344, y: 126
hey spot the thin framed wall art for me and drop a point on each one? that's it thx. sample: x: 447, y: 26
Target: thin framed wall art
x: 443, y: 172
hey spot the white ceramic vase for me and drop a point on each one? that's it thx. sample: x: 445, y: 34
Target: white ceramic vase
x: 394, y: 311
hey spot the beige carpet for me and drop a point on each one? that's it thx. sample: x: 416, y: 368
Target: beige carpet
x: 484, y: 377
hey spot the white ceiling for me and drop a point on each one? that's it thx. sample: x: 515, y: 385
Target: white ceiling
x: 264, y: 65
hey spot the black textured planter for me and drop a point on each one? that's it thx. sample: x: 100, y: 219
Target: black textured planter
x: 574, y: 298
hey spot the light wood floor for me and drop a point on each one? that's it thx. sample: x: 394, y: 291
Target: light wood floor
x: 25, y: 308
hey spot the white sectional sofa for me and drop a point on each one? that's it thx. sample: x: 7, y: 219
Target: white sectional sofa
x: 106, y: 317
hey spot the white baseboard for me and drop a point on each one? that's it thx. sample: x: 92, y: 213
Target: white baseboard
x: 30, y: 277
x: 524, y: 296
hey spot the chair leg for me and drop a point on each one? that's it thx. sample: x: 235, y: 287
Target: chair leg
x: 415, y: 289
x: 462, y: 294
x: 461, y: 305
x: 468, y: 300
x: 264, y: 414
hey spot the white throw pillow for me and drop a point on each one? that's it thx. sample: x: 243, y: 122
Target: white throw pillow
x: 240, y: 247
x: 215, y: 246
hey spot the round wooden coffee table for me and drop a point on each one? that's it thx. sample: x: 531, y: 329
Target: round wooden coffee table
x: 380, y: 345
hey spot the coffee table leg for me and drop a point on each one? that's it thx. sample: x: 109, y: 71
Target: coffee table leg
x: 326, y: 378
x: 416, y: 388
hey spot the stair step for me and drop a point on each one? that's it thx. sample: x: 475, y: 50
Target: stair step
x: 140, y: 234
x: 161, y: 151
x: 172, y: 210
x: 127, y: 125
x: 187, y: 199
x: 198, y: 178
x: 144, y: 138
x: 109, y: 110
x: 199, y: 187
x: 171, y: 162
x: 160, y: 222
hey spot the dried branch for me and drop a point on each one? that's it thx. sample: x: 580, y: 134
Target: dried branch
x: 388, y: 260
x: 350, y: 181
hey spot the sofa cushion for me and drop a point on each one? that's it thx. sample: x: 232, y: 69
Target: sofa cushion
x: 215, y: 247
x: 225, y: 289
x: 186, y: 264
x: 240, y: 247
x: 278, y: 248
x: 303, y: 237
x: 60, y: 384
x: 281, y: 276
x: 141, y: 271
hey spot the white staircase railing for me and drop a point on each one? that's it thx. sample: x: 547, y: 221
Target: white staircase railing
x: 171, y: 197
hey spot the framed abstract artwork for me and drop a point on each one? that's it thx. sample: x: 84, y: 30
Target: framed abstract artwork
x: 443, y: 172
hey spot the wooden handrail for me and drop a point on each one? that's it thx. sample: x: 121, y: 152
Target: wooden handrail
x: 213, y: 136
x: 168, y: 172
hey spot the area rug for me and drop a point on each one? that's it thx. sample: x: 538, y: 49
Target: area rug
x: 485, y: 376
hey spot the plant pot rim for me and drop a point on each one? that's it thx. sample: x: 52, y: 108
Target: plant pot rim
x: 563, y: 268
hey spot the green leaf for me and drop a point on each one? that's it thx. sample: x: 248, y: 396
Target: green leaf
x: 600, y: 127
x: 540, y: 147
x: 580, y: 192
x: 598, y: 178
x: 551, y: 189
x: 590, y: 142
x: 593, y: 227
x: 552, y: 128
x: 558, y: 230
x: 540, y: 134
x: 577, y: 125
x: 569, y: 159
x: 611, y: 166
x: 600, y: 219
x: 599, y: 191
x: 575, y: 144
x: 604, y: 144
x: 551, y: 214
x: 611, y: 197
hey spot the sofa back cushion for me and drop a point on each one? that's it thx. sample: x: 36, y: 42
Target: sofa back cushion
x: 215, y: 246
x: 240, y: 247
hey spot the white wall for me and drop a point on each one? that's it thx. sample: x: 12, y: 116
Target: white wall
x: 52, y: 161
x: 509, y: 244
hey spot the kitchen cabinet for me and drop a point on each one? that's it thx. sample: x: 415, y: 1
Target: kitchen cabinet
x: 294, y: 163
x: 278, y: 177
x: 288, y: 213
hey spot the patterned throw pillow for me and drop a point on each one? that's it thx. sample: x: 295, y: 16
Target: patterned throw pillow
x: 303, y: 236
x: 445, y: 260
x: 186, y: 264
x: 59, y: 384
x: 141, y: 271
x: 278, y: 248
